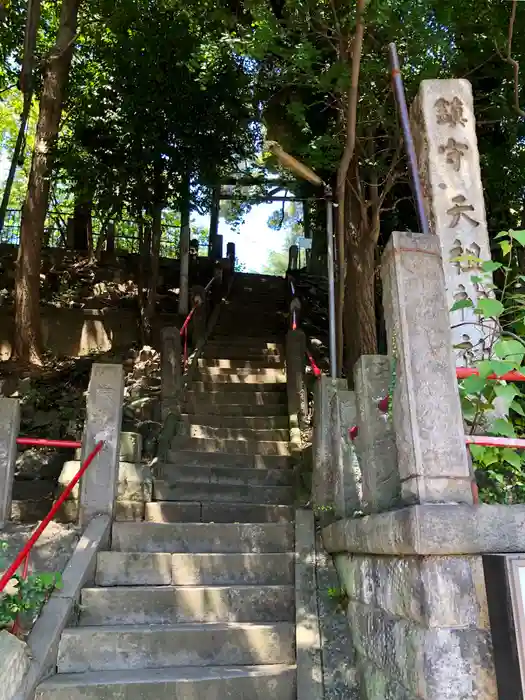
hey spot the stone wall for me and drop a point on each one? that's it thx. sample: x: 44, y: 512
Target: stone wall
x: 419, y: 626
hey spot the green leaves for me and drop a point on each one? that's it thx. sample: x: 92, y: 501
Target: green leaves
x: 511, y: 351
x: 491, y: 308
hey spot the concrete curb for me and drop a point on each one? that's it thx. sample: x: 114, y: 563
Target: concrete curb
x: 60, y: 608
x: 307, y: 632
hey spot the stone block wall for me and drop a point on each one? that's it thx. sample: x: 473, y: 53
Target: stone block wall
x: 419, y: 626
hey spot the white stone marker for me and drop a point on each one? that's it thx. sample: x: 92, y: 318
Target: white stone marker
x: 444, y: 129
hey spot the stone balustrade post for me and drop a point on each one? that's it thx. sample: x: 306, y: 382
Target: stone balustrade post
x: 293, y: 257
x: 103, y: 422
x: 171, y: 370
x: 375, y: 441
x: 9, y: 431
x: 198, y: 321
x: 428, y: 425
x: 230, y: 254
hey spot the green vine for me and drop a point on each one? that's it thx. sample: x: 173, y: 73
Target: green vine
x: 494, y: 406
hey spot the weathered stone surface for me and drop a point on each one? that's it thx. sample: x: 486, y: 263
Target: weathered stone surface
x: 447, y: 150
x: 416, y: 588
x: 203, y: 538
x: 323, y: 487
x: 427, y: 416
x: 307, y: 634
x: 431, y: 529
x: 436, y: 664
x: 15, y: 663
x: 9, y: 429
x: 375, y: 443
x: 344, y: 463
x: 103, y: 422
x: 171, y: 370
x: 340, y: 674
x: 183, y: 604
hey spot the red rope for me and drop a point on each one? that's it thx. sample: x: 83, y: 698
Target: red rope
x: 315, y: 368
x: 514, y: 376
x: 24, y: 553
x: 44, y: 442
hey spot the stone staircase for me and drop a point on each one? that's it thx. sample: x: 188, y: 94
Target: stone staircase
x: 199, y: 600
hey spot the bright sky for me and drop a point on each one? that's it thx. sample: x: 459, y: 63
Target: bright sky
x: 255, y: 239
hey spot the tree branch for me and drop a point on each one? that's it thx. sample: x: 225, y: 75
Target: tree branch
x: 344, y: 165
x: 512, y: 61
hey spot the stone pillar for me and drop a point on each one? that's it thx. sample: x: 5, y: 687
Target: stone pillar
x: 427, y: 418
x: 346, y: 476
x: 297, y: 402
x: 447, y: 151
x: 198, y: 320
x: 293, y: 257
x: 375, y: 442
x: 323, y: 490
x: 214, y: 219
x: 171, y: 370
x: 217, y: 247
x: 9, y: 430
x: 103, y: 422
x: 230, y: 254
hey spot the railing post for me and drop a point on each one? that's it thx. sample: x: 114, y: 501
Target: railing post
x: 171, y: 371
x: 230, y: 254
x: 103, y: 422
x: 9, y: 429
x: 198, y: 300
x: 293, y: 256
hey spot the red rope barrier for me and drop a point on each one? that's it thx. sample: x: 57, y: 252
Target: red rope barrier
x: 24, y: 553
x: 491, y: 441
x: 514, y: 376
x: 44, y: 442
x: 315, y: 368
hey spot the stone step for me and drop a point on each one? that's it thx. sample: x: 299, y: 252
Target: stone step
x: 218, y: 375
x: 207, y: 512
x: 224, y: 476
x: 234, y: 396
x: 242, y: 421
x: 221, y: 493
x: 121, y: 647
x: 254, y: 365
x: 189, y: 458
x: 202, y: 538
x: 201, y: 405
x: 196, y: 430
x: 165, y: 605
x: 232, y: 353
x: 252, y: 388
x: 164, y: 569
x: 245, y: 447
x: 178, y: 683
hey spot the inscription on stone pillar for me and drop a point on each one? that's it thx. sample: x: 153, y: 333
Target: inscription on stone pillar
x: 447, y: 151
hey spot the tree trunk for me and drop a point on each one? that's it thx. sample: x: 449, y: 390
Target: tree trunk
x: 27, y: 341
x: 156, y: 234
x: 360, y: 316
x: 184, y: 248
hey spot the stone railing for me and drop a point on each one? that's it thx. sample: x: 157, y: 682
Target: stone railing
x: 396, y: 503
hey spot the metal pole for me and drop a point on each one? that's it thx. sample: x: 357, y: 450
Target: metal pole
x: 399, y: 92
x: 331, y: 281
